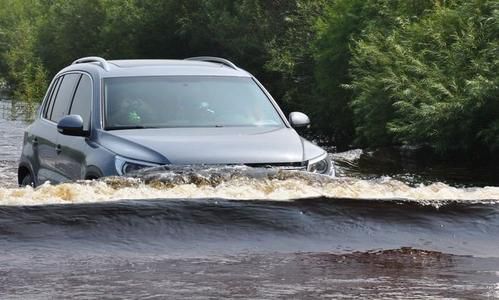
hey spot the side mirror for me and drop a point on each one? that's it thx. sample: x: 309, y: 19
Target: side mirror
x: 71, y: 125
x: 298, y: 119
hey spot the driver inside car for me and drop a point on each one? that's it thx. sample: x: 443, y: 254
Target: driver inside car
x: 129, y: 111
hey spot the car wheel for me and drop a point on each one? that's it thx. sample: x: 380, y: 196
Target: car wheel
x: 28, y: 180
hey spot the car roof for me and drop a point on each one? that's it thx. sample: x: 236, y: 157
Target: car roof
x: 205, y: 66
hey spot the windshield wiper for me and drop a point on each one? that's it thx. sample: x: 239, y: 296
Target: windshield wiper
x: 124, y: 127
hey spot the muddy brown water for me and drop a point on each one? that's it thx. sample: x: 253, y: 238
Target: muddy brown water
x: 241, y: 233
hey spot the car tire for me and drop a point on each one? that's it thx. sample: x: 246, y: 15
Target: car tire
x: 28, y: 180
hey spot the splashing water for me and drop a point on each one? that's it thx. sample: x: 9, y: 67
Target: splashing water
x: 239, y: 184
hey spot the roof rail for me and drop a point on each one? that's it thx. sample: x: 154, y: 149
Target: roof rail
x: 101, y: 61
x: 222, y: 61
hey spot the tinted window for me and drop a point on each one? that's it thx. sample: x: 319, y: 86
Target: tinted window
x: 50, y: 100
x: 64, y: 96
x: 82, y: 101
x: 187, y: 101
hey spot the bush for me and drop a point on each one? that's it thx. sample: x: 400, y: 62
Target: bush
x: 21, y: 66
x: 431, y: 81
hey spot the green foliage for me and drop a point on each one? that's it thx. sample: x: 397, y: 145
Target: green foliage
x: 292, y: 54
x: 332, y: 56
x: 70, y: 30
x: 432, y: 81
x: 21, y: 66
x: 344, y: 22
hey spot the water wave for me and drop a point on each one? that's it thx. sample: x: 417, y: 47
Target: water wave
x: 239, y: 183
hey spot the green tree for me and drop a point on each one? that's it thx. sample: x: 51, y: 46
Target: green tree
x: 291, y: 54
x: 344, y: 22
x: 70, y: 30
x: 20, y: 64
x: 431, y: 81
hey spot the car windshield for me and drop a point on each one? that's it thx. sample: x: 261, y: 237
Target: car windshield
x: 186, y: 101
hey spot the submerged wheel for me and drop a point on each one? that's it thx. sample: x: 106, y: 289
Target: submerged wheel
x: 27, y: 180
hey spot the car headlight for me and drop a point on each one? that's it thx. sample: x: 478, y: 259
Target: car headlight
x: 320, y: 165
x: 126, y: 166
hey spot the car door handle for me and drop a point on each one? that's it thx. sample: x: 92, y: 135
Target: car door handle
x: 58, y: 149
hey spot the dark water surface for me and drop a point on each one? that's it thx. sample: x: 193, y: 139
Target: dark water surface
x: 213, y: 248
x: 284, y: 236
x: 11, y: 135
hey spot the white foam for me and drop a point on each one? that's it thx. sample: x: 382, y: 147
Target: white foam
x: 243, y: 188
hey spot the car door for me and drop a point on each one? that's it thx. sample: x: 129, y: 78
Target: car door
x: 73, y: 149
x: 42, y: 136
x: 58, y: 108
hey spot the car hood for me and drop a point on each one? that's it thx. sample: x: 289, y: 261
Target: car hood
x: 226, y: 145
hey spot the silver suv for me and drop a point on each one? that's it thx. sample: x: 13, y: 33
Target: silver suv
x: 102, y: 118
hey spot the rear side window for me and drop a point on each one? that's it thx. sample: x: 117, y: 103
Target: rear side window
x: 82, y: 101
x: 64, y: 96
x: 50, y: 101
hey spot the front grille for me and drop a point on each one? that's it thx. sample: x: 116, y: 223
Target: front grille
x: 287, y: 166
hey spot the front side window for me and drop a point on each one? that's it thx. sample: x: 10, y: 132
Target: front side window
x: 50, y: 98
x: 82, y: 101
x: 186, y: 101
x: 64, y: 96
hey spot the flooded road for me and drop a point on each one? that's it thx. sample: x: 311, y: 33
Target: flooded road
x: 212, y: 248
x: 245, y: 233
x: 11, y: 136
